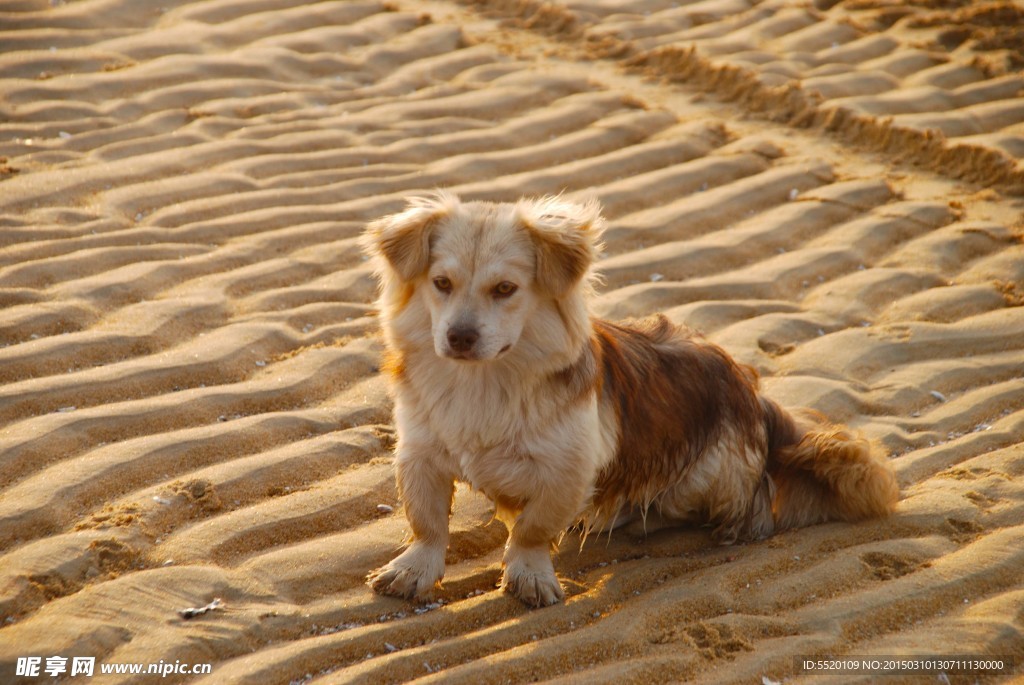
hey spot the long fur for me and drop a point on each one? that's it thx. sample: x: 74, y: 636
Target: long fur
x: 563, y: 418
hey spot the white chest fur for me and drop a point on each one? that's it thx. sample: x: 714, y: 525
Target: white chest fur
x: 505, y: 431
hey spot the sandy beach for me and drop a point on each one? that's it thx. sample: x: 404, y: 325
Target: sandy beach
x: 190, y: 401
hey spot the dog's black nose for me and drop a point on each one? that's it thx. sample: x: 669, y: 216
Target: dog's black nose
x: 462, y: 339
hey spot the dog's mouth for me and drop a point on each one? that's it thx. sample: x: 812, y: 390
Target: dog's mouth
x: 471, y: 357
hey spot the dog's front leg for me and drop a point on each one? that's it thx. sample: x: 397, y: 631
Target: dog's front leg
x: 426, y: 491
x: 529, y: 573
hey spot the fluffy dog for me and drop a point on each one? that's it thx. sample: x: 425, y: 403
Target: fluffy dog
x: 504, y: 380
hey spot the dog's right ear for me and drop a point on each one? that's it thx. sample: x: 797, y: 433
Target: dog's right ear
x: 403, y: 239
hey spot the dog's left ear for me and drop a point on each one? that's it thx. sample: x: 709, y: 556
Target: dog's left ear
x: 565, y: 235
x: 403, y: 239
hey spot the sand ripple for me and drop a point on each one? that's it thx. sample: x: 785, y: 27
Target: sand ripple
x: 190, y: 404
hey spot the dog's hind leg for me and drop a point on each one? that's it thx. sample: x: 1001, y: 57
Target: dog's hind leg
x: 740, y: 501
x: 427, y: 493
x: 727, y: 488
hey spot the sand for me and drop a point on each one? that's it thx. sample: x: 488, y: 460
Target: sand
x: 191, y: 406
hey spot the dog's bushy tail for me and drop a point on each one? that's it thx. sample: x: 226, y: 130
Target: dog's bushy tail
x: 824, y: 473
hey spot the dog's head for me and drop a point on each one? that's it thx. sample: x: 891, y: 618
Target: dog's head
x: 482, y: 269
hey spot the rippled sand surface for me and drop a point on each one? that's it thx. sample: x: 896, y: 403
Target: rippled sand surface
x: 190, y: 403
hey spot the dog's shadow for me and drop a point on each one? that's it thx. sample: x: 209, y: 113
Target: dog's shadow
x: 581, y: 558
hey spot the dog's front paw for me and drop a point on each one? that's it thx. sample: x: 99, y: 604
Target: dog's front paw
x: 530, y: 576
x: 413, y: 574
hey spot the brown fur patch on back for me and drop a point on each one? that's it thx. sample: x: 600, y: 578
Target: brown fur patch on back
x: 673, y: 396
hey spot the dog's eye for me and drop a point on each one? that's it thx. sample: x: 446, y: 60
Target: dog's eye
x: 443, y: 284
x: 504, y: 289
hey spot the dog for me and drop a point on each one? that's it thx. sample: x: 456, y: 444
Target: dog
x: 503, y: 379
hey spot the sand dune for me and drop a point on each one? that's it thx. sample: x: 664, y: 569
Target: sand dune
x: 190, y: 403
